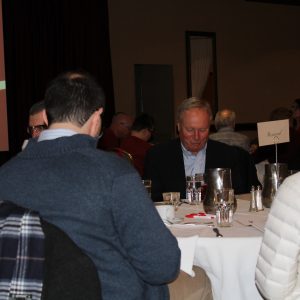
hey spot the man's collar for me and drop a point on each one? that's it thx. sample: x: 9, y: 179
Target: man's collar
x: 226, y: 129
x: 51, y: 134
x: 189, y: 153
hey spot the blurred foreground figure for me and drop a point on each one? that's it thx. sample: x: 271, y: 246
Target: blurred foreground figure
x: 277, y: 270
x: 95, y: 197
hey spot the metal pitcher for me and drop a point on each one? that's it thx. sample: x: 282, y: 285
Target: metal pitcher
x: 274, y: 176
x: 216, y: 179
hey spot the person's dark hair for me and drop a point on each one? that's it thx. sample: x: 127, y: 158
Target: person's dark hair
x: 116, y: 116
x: 280, y: 113
x: 36, y: 108
x: 73, y: 97
x: 296, y: 104
x: 143, y: 121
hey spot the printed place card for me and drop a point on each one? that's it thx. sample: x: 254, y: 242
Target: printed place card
x: 273, y: 132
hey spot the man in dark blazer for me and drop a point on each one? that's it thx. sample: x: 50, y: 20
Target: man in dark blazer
x: 168, y: 163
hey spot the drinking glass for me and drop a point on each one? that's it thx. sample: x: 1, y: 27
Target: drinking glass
x: 199, y: 177
x: 195, y: 188
x: 172, y: 198
x: 224, y: 206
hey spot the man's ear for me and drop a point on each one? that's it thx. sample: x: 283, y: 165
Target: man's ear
x: 45, y: 117
x: 94, y: 123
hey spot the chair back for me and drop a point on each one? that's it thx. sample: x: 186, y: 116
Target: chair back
x: 122, y: 153
x: 40, y: 251
x: 21, y: 253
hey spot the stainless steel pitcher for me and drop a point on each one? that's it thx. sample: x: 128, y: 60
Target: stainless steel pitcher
x: 216, y: 179
x: 274, y: 176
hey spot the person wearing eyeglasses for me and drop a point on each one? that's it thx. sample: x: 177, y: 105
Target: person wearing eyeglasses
x: 36, y: 122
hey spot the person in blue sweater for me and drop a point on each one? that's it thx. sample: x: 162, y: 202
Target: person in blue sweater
x: 94, y: 196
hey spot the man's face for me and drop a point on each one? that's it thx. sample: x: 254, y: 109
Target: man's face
x: 123, y: 126
x: 36, y: 124
x: 193, y: 128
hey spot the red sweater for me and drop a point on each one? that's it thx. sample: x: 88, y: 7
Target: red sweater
x: 138, y: 149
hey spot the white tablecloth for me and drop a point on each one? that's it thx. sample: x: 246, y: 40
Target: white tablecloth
x: 229, y: 261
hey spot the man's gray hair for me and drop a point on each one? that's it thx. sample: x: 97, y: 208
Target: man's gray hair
x: 193, y: 102
x: 225, y: 118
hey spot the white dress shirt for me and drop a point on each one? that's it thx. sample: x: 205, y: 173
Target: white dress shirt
x: 194, y: 164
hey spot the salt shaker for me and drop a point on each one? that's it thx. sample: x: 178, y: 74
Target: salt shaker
x: 258, y: 199
x: 253, y: 204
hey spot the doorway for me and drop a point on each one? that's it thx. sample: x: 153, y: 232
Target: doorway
x: 155, y: 96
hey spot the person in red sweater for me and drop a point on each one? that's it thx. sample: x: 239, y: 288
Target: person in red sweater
x: 137, y: 143
x: 119, y: 129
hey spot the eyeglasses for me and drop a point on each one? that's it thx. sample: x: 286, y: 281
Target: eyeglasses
x: 36, y: 129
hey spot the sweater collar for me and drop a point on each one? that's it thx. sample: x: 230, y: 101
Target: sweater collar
x: 58, y: 146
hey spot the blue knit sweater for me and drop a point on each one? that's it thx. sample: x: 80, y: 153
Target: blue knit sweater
x: 98, y: 199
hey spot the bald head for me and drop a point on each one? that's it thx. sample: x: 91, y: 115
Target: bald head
x: 225, y: 118
x: 121, y: 125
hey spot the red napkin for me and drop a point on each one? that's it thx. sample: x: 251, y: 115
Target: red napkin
x: 200, y: 215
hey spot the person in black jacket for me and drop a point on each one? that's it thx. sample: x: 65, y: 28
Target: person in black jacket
x: 168, y: 164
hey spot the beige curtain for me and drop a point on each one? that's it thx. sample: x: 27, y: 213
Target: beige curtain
x: 201, y: 64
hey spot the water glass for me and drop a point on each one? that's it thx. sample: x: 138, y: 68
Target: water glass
x: 224, y: 206
x: 172, y: 198
x: 195, y: 188
x: 203, y: 185
x: 147, y: 184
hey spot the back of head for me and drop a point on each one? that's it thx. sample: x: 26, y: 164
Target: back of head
x: 280, y: 113
x: 73, y: 97
x: 296, y: 114
x: 193, y: 102
x: 225, y: 118
x: 296, y: 104
x: 119, y: 117
x: 143, y: 121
